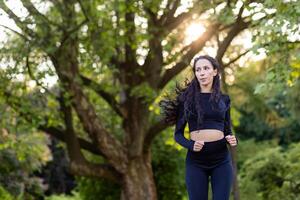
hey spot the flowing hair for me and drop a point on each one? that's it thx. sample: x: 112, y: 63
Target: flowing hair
x: 189, y: 96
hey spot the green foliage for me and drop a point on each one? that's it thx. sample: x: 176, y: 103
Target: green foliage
x: 20, y: 156
x: 278, y: 36
x: 269, y: 114
x: 93, y: 189
x: 226, y: 15
x: 144, y: 91
x: 168, y: 166
x: 273, y: 173
x: 74, y: 196
x: 22, y: 151
x: 32, y: 104
x: 293, y: 99
x: 256, y: 146
x: 4, y: 195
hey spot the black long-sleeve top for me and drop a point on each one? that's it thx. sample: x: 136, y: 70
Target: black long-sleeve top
x: 212, y: 119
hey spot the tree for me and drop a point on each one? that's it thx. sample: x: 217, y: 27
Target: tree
x: 122, y: 52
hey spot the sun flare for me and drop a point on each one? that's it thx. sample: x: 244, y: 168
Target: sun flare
x: 193, y: 31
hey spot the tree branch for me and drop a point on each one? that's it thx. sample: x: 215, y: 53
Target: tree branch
x: 169, y: 11
x: 176, y: 21
x: 130, y: 51
x: 56, y: 132
x: 16, y: 32
x: 70, y: 137
x: 61, y: 135
x: 38, y: 16
x: 153, y: 131
x: 169, y: 22
x: 105, y: 95
x: 66, y: 65
x: 95, y: 171
x: 237, y: 27
x: 84, y: 11
x: 191, y: 49
x: 77, y: 166
x: 72, y: 31
x: 31, y: 75
x: 152, y: 15
x: 22, y: 25
x: 236, y: 58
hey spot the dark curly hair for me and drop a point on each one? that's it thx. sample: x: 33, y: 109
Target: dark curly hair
x: 189, y: 96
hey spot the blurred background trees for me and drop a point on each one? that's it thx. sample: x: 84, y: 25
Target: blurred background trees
x: 63, y: 60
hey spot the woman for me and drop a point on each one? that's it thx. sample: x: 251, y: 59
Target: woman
x: 202, y: 105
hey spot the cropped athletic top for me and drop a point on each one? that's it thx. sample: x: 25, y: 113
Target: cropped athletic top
x: 212, y: 119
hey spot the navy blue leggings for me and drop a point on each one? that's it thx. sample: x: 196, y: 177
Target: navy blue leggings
x: 213, y: 161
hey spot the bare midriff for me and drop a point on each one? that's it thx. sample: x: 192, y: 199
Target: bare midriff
x: 206, y: 135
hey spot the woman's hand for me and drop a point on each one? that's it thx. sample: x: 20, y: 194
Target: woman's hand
x: 231, y: 139
x: 198, y: 145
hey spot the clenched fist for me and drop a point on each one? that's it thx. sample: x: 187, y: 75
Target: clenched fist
x: 231, y: 140
x: 198, y: 145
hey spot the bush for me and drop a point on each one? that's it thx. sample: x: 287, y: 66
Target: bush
x: 4, y: 195
x: 75, y: 196
x: 272, y: 173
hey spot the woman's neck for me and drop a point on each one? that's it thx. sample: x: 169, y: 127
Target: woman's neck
x: 206, y: 91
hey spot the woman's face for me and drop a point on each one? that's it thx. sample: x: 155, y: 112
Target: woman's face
x: 205, y: 73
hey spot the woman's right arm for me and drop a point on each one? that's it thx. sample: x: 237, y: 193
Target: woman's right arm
x: 179, y: 129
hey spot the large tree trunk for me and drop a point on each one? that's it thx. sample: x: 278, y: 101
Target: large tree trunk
x: 138, y: 180
x: 138, y: 183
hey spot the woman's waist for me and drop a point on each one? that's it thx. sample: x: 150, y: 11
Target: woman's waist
x: 213, y: 150
x: 206, y: 135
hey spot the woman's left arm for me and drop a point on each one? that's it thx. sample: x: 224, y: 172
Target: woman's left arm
x: 228, y: 125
